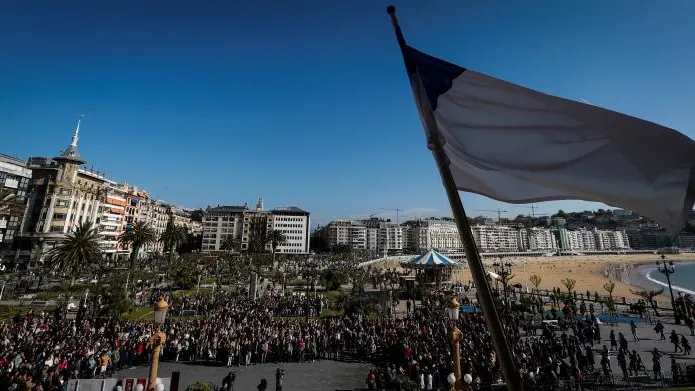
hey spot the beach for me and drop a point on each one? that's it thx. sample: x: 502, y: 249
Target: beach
x: 591, y: 272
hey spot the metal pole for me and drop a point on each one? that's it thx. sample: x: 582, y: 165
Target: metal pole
x: 475, y: 263
x: 670, y: 290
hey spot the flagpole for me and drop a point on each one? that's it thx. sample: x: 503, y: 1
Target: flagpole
x: 475, y: 263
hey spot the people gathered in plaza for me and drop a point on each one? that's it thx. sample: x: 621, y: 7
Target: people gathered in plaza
x: 42, y: 351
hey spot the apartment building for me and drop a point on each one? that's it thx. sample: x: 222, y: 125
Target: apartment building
x: 245, y: 225
x: 156, y: 214
x: 611, y: 240
x: 536, y: 239
x: 63, y: 195
x: 441, y: 235
x: 14, y: 181
x: 389, y: 236
x: 493, y: 238
x: 294, y: 223
x: 344, y: 232
x: 222, y: 222
x: 112, y: 219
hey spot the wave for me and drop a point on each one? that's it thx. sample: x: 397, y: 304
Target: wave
x: 648, y: 276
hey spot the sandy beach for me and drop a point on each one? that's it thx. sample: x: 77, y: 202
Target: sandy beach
x: 590, y: 271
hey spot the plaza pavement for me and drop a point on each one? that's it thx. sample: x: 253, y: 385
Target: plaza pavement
x: 648, y: 340
x: 324, y: 375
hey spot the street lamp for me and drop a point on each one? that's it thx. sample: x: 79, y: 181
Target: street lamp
x: 667, y: 269
x: 453, y: 309
x: 157, y: 340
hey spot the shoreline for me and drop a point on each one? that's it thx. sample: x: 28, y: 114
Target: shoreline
x: 591, y: 272
x: 641, y: 278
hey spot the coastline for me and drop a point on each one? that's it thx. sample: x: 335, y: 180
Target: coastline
x: 589, y: 271
x: 641, y: 278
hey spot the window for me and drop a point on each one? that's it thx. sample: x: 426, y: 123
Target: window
x: 62, y: 203
x: 59, y: 216
x: 56, y: 229
x: 64, y: 191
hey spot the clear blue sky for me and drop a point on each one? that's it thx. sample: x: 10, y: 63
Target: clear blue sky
x: 307, y: 102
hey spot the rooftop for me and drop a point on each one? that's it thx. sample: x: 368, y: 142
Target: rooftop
x: 289, y: 210
x: 12, y: 160
x: 227, y: 209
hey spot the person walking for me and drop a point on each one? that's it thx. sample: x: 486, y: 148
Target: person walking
x: 686, y: 345
x: 659, y: 328
x: 675, y: 341
x: 279, y: 375
x: 656, y: 364
x: 633, y: 328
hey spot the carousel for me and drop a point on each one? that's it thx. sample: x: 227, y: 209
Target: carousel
x: 433, y: 270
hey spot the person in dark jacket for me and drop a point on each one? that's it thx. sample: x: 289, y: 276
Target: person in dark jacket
x: 263, y: 385
x: 228, y: 381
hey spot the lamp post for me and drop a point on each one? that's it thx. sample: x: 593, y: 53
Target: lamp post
x: 157, y: 340
x: 667, y: 268
x: 453, y: 309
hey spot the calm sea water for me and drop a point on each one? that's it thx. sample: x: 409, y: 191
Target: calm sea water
x: 684, y: 277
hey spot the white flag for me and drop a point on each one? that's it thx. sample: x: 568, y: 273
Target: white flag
x: 518, y: 145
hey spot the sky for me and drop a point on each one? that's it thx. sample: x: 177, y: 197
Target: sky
x: 307, y: 102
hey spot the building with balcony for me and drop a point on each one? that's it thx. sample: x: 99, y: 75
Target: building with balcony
x: 63, y: 195
x: 537, y: 239
x: 112, y: 219
x: 222, y: 222
x: 14, y: 183
x: 495, y: 238
x: 245, y: 226
x: 432, y: 234
x: 344, y: 232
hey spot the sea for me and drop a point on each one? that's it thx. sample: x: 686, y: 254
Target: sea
x: 682, y: 280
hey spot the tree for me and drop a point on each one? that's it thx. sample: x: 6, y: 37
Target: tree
x: 535, y: 280
x: 649, y: 296
x: 184, y: 274
x: 115, y: 301
x: 257, y: 244
x: 77, y: 250
x: 276, y: 238
x: 332, y: 279
x: 138, y: 235
x: 609, y: 287
x: 569, y: 284
x: 230, y: 244
x: 172, y: 237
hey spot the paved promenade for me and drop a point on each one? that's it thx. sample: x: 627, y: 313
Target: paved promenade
x: 322, y: 375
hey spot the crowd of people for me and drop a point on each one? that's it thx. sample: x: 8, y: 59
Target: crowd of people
x: 42, y: 351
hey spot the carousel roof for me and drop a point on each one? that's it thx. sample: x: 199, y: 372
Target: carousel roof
x: 432, y: 258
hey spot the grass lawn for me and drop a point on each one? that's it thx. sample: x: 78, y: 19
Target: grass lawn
x: 7, y: 312
x: 326, y: 313
x: 140, y: 313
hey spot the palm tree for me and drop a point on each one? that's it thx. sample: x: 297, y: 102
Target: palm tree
x: 77, y: 250
x: 276, y: 238
x: 257, y: 244
x: 137, y: 236
x: 172, y: 238
x: 230, y: 244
